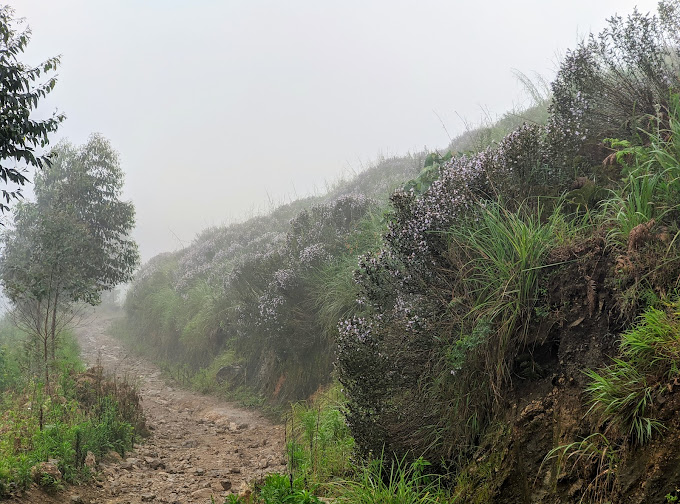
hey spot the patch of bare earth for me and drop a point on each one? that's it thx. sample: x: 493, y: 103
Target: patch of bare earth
x: 199, y: 447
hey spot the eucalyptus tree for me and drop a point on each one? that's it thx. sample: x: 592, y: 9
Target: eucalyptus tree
x: 20, y: 93
x: 69, y: 246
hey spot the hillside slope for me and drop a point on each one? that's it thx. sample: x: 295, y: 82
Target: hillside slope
x: 511, y: 314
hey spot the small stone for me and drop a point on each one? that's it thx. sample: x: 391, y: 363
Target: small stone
x: 46, y: 468
x: 226, y: 484
x: 114, y: 456
x: 90, y: 460
x: 76, y: 499
x: 156, y: 463
x: 203, y: 493
x: 245, y: 491
x: 235, y: 470
x: 199, y: 471
x: 148, y: 497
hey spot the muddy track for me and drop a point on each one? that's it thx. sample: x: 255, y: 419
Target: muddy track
x: 198, y: 446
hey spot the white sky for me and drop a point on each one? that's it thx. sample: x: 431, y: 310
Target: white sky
x: 218, y: 107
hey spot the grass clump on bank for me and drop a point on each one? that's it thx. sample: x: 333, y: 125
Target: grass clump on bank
x: 319, y: 451
x: 626, y: 393
x: 498, y: 257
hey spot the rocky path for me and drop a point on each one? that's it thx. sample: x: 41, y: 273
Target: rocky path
x: 199, y: 447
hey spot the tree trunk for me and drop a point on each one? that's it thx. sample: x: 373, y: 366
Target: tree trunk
x: 53, y: 331
x: 47, y: 365
x: 44, y: 335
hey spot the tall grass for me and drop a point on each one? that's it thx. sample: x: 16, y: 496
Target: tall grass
x: 319, y: 445
x: 499, y: 256
x: 332, y: 288
x: 651, y: 174
x: 388, y: 481
x: 595, y: 452
x: 623, y: 394
x: 643, y: 197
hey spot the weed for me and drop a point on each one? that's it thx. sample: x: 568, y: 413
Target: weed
x: 386, y: 481
x: 596, y: 458
x: 234, y: 499
x: 50, y: 484
x: 282, y: 489
x: 319, y: 444
x: 499, y: 256
x: 623, y: 393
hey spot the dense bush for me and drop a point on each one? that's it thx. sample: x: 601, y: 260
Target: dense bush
x: 255, y: 290
x: 448, y: 298
x: 610, y: 83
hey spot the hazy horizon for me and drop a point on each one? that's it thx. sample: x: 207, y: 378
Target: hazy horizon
x: 219, y: 108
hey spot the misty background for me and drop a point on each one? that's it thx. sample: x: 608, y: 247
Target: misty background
x: 221, y: 109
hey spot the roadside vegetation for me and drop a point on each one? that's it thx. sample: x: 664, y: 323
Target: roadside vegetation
x: 60, y: 251
x: 539, y: 252
x: 54, y: 438
x: 495, y: 322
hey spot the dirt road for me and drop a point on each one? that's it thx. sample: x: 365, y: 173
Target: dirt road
x: 199, y: 446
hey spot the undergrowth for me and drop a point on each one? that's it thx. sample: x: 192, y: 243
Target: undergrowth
x: 624, y: 393
x: 498, y: 257
x: 320, y: 463
x: 319, y: 444
x: 83, y: 413
x: 624, y: 399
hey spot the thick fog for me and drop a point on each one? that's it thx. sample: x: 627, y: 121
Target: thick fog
x: 220, y: 109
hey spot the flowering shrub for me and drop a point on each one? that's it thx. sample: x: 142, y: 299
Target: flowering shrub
x: 249, y: 285
x: 287, y: 319
x: 434, y: 333
x: 390, y: 352
x: 610, y: 82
